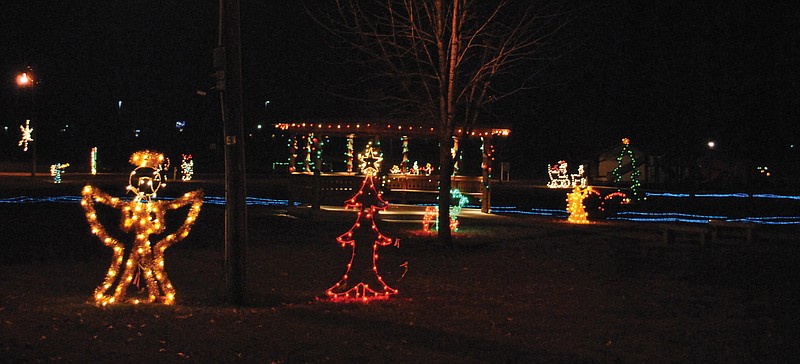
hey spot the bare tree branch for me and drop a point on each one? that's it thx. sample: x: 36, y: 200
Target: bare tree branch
x: 446, y: 61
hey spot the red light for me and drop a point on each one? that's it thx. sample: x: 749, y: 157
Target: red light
x: 367, y: 200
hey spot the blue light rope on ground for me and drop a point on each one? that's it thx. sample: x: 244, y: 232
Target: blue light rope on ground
x: 557, y: 213
x: 666, y: 194
x: 26, y: 199
x: 723, y: 195
x: 770, y: 220
x: 769, y: 195
x: 211, y: 200
x: 532, y: 211
x: 660, y: 219
x: 677, y: 214
x: 702, y: 219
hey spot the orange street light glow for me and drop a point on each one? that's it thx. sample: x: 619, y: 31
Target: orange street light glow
x: 24, y: 80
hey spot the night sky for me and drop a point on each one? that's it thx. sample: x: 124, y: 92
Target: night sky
x: 670, y: 75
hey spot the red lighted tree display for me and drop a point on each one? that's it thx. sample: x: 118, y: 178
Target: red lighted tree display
x: 362, y: 281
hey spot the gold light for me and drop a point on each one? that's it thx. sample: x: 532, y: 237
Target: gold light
x: 143, y: 218
x: 575, y: 208
x: 150, y: 260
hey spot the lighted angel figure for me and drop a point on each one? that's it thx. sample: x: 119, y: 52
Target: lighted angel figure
x: 143, y: 217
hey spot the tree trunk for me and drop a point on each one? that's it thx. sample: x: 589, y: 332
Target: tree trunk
x: 445, y: 172
x: 445, y: 132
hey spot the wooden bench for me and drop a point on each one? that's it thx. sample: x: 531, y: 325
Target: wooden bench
x: 718, y: 225
x: 669, y: 232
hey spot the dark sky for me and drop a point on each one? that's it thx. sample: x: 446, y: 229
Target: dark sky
x: 670, y: 75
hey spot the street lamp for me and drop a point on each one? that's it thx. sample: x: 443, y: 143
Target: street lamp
x: 24, y: 80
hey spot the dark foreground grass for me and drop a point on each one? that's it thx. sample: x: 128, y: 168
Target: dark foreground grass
x: 512, y: 290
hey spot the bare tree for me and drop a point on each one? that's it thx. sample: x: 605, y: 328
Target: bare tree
x: 445, y: 61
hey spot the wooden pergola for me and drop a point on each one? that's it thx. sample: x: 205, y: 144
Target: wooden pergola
x: 307, y: 180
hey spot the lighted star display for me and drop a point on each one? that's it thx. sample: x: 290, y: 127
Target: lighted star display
x: 370, y: 160
x: 27, y: 135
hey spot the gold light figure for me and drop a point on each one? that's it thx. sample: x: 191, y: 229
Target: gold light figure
x: 575, y: 208
x: 143, y: 217
x: 370, y: 160
x: 27, y: 135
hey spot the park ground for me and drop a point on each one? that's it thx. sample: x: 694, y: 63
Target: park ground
x: 514, y: 289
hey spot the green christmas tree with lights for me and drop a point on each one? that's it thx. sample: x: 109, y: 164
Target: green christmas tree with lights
x: 621, y: 170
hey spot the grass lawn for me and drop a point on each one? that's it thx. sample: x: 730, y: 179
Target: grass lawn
x: 514, y: 289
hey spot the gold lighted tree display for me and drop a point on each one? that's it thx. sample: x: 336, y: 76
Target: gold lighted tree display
x: 575, y: 207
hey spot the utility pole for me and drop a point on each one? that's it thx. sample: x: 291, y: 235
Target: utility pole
x: 228, y: 62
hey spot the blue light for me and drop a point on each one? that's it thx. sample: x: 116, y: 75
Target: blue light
x: 211, y: 200
x: 533, y: 211
x: 706, y: 217
x: 769, y: 195
x: 667, y: 194
x: 660, y: 219
x: 636, y: 216
x: 723, y: 195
